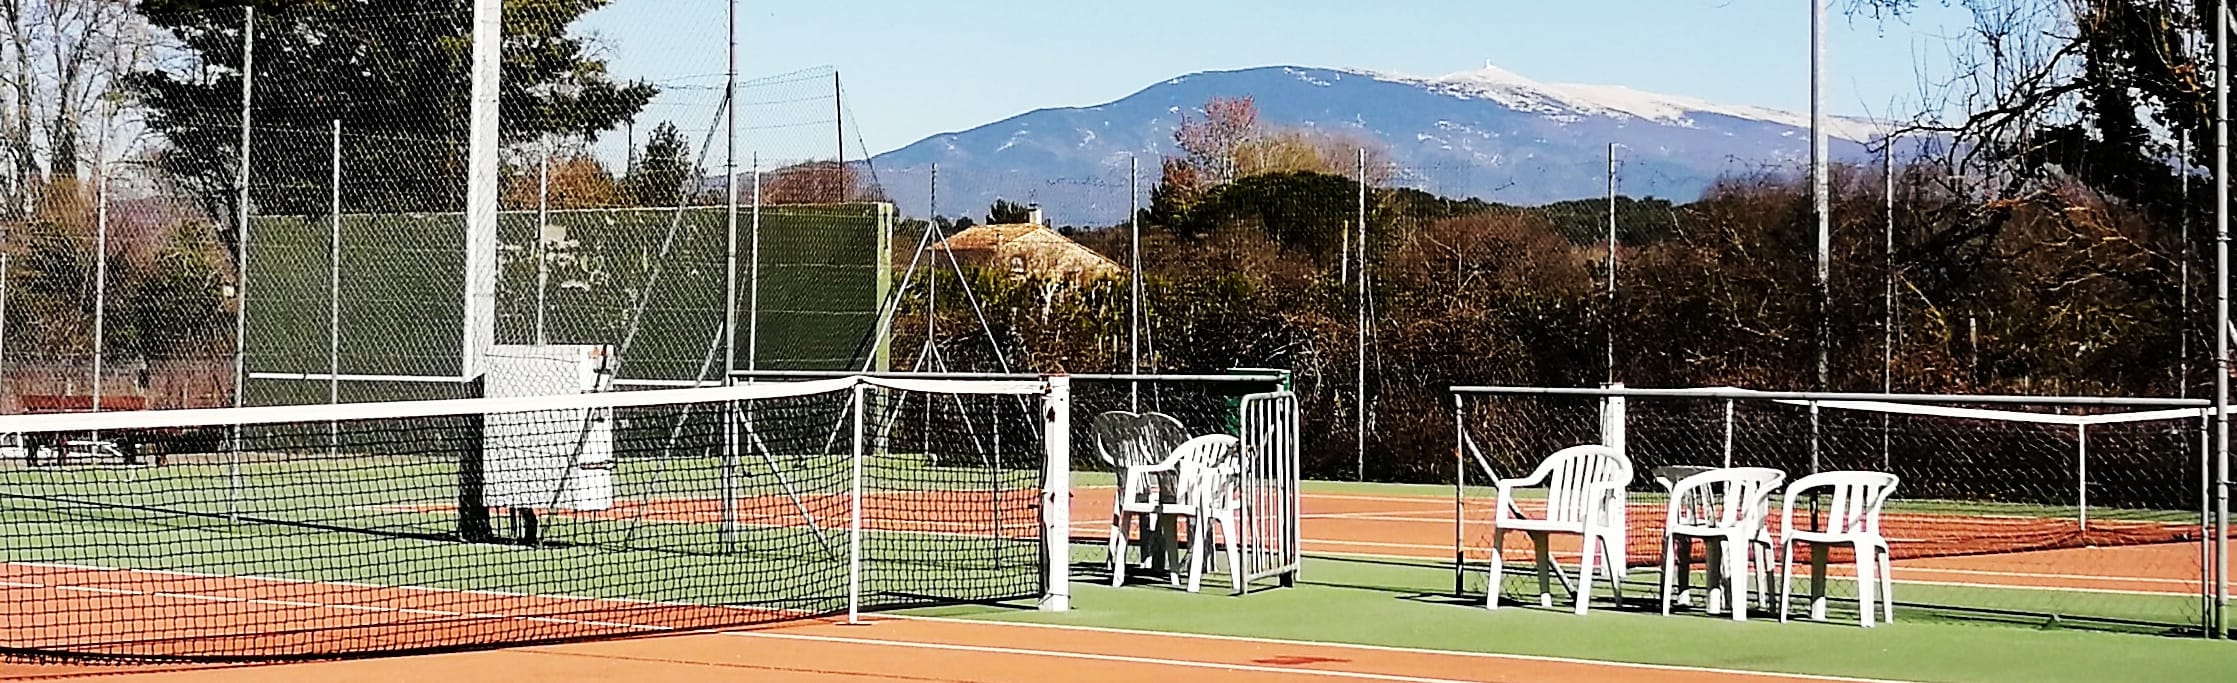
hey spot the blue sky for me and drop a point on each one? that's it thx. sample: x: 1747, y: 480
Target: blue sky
x: 913, y: 68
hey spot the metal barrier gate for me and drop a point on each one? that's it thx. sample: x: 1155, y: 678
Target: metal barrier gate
x: 1269, y: 487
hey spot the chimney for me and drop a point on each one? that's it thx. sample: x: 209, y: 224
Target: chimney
x: 1033, y: 214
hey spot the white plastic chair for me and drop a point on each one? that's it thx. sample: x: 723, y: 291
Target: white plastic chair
x: 1584, y: 496
x: 1851, y: 517
x: 1215, y: 491
x: 1124, y: 439
x: 1116, y: 437
x: 1725, y: 509
x: 1155, y: 495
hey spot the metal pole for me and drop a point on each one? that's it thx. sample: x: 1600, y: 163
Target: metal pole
x: 2081, y: 477
x: 932, y: 292
x: 1887, y: 327
x: 100, y: 254
x: 839, y: 125
x: 1609, y: 323
x: 753, y: 275
x: 1820, y: 185
x: 2182, y: 170
x: 1359, y: 399
x: 729, y: 511
x: 3, y: 316
x: 543, y: 223
x: 2221, y: 317
x: 241, y: 260
x: 241, y: 231
x: 1887, y: 321
x: 854, y: 518
x: 334, y: 289
x: 1728, y: 432
x: 1459, y: 497
x: 1134, y: 283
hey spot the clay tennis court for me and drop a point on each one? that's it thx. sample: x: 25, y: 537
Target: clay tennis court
x: 912, y: 649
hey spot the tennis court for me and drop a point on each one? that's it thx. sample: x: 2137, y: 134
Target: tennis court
x: 779, y: 649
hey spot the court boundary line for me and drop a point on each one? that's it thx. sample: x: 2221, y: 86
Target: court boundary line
x: 1397, y: 649
x: 1094, y: 656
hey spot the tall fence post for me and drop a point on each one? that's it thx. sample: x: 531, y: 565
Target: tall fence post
x: 854, y: 514
x: 1612, y: 418
x: 2081, y: 477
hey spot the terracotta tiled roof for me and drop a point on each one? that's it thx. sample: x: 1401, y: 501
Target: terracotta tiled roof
x: 1034, y: 247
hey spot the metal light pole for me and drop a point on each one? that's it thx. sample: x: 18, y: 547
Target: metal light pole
x: 2221, y: 316
x: 1609, y: 325
x: 1820, y: 185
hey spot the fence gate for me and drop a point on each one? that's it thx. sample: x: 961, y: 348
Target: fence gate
x: 1269, y: 488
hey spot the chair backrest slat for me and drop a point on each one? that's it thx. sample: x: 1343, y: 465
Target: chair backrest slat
x: 1724, y: 498
x: 1571, y: 472
x: 1852, y: 500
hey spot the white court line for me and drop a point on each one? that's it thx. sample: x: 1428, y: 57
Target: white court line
x: 2033, y: 575
x: 1093, y: 657
x: 1412, y: 650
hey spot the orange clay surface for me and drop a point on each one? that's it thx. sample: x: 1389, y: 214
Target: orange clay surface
x: 917, y: 650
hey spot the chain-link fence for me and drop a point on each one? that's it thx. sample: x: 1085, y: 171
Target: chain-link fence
x: 2088, y: 510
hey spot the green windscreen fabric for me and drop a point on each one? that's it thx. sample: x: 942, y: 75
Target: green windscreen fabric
x: 648, y: 282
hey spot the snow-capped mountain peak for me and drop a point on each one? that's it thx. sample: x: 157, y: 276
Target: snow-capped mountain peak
x: 1517, y: 91
x: 1489, y: 133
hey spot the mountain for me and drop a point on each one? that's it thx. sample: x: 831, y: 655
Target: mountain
x: 1488, y: 133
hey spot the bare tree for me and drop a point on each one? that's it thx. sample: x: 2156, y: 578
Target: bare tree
x: 64, y: 58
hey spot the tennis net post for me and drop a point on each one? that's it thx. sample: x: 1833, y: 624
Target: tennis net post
x: 1056, y: 495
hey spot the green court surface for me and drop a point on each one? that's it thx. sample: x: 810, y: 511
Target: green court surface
x: 1400, y: 605
x: 1402, y: 602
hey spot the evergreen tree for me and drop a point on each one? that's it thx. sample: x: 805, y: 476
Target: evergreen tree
x: 395, y: 73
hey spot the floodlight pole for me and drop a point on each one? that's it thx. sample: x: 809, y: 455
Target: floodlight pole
x: 1608, y: 325
x: 1820, y: 186
x: 2221, y: 318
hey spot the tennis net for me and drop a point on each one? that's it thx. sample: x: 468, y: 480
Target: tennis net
x: 273, y: 533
